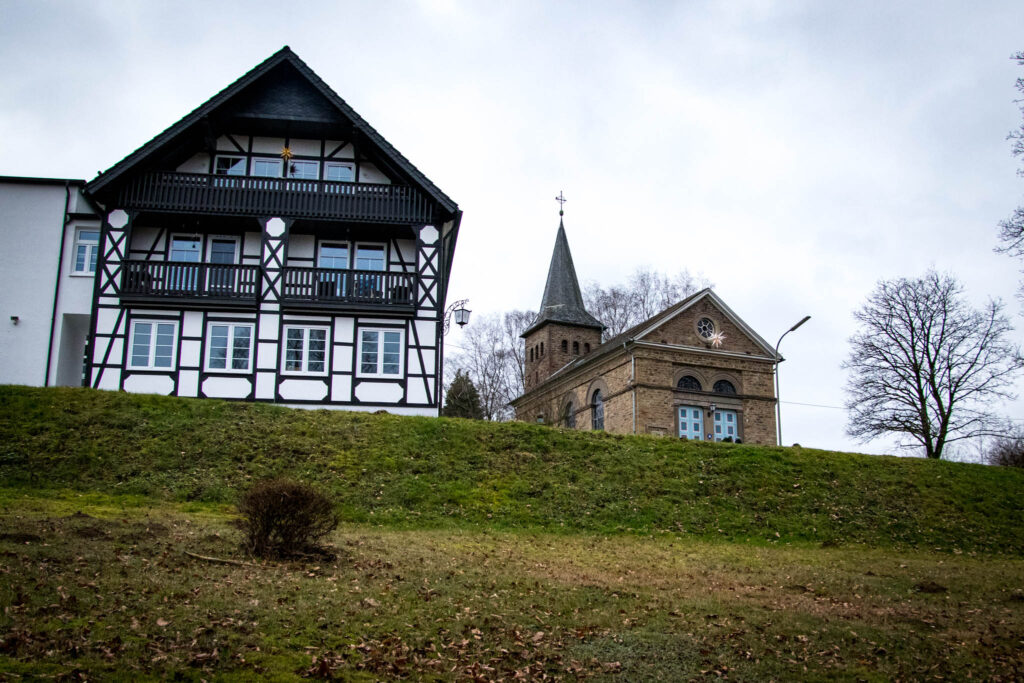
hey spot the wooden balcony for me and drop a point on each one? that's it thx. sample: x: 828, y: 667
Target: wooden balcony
x: 200, y: 193
x: 348, y: 289
x: 183, y: 283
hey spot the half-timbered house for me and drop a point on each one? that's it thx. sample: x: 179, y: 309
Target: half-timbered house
x: 271, y: 246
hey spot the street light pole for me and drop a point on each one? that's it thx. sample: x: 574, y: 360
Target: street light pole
x: 778, y: 399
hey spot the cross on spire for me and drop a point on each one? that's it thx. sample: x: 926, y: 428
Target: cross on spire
x: 561, y: 203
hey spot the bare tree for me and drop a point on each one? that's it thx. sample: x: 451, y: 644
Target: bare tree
x: 926, y: 366
x: 1011, y: 231
x: 646, y: 293
x: 493, y: 356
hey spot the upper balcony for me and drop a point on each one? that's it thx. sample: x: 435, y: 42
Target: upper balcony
x: 200, y: 193
x: 173, y: 283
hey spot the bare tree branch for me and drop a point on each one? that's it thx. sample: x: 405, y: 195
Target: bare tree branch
x: 926, y: 366
x: 1011, y: 231
x: 646, y: 293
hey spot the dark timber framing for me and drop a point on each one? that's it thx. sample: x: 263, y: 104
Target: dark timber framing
x: 273, y: 282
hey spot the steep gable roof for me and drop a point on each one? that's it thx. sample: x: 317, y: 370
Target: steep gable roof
x: 562, y: 301
x: 255, y: 105
x: 637, y: 332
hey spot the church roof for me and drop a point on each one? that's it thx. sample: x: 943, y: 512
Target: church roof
x: 563, y: 301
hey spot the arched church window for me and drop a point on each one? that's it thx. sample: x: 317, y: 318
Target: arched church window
x: 565, y: 346
x: 724, y: 386
x: 689, y: 383
x: 575, y: 348
x: 531, y: 354
x: 597, y: 411
x: 586, y: 348
x: 569, y: 416
x: 542, y: 348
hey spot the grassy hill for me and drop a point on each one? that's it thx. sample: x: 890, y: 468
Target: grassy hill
x: 408, y: 473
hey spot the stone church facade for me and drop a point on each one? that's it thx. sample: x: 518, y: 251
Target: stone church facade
x: 694, y: 370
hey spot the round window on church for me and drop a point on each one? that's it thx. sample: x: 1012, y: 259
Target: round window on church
x: 706, y: 328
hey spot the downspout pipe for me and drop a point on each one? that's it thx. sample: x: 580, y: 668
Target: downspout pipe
x: 56, y: 285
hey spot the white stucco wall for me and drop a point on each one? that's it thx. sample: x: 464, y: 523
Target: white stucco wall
x: 31, y: 225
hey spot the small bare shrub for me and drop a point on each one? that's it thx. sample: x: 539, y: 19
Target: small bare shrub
x: 1008, y: 451
x: 284, y: 518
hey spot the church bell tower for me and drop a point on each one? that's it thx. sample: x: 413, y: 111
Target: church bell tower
x: 563, y: 330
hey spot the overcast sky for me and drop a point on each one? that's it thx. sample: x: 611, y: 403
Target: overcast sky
x: 793, y: 153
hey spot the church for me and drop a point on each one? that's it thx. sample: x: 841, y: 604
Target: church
x: 694, y: 371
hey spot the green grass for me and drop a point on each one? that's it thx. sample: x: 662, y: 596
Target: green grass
x: 426, y: 473
x: 107, y: 592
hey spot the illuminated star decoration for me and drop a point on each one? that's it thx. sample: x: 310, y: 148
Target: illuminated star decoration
x: 716, y: 339
x: 286, y: 154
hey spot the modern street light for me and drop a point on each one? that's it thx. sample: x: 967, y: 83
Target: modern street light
x: 778, y: 399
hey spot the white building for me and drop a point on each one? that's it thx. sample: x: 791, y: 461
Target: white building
x: 269, y: 246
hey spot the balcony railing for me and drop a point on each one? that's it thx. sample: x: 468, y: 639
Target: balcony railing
x: 329, y: 287
x: 251, y: 196
x: 171, y: 280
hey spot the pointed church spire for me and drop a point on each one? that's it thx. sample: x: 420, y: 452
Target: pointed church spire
x: 563, y: 301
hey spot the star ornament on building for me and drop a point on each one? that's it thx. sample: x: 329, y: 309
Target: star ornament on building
x: 717, y: 339
x: 286, y: 154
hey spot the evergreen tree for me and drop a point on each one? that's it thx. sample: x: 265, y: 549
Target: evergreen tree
x: 462, y: 399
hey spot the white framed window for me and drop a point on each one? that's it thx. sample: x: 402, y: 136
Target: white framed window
x: 224, y: 164
x: 229, y: 347
x: 186, y: 249
x: 333, y: 255
x: 265, y: 167
x: 152, y: 345
x: 304, y: 169
x: 305, y: 350
x: 344, y: 172
x: 380, y: 353
x: 370, y: 257
x: 223, y: 249
x: 87, y: 246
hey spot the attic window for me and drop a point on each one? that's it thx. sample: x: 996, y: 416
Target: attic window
x: 334, y: 171
x: 303, y: 169
x: 226, y: 165
x: 706, y: 328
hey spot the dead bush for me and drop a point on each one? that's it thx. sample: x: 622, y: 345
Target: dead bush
x: 283, y: 518
x: 1008, y: 451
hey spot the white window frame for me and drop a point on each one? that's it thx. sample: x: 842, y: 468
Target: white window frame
x: 334, y: 243
x: 130, y: 355
x: 236, y: 157
x: 354, y: 255
x: 92, y: 249
x: 305, y: 350
x: 223, y: 238
x: 188, y: 237
x: 316, y: 175
x: 380, y: 353
x: 230, y: 348
x: 347, y: 164
x: 252, y: 166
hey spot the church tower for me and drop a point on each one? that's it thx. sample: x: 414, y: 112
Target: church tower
x: 563, y: 330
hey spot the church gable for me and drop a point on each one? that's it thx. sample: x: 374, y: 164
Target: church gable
x: 705, y: 321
